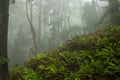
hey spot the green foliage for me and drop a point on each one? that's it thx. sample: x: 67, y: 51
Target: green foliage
x: 3, y: 61
x: 89, y: 57
x: 23, y: 73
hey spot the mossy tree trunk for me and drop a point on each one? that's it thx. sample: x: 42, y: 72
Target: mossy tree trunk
x: 4, y: 10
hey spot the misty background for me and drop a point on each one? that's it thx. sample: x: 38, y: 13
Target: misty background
x: 36, y: 26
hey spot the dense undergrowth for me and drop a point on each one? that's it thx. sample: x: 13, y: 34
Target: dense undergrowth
x: 94, y: 56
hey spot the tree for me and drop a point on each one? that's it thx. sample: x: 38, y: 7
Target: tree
x: 56, y: 18
x: 40, y: 24
x: 96, y: 8
x: 112, y: 15
x: 20, y: 47
x: 4, y: 10
x: 89, y: 18
x: 29, y: 9
x: 114, y: 12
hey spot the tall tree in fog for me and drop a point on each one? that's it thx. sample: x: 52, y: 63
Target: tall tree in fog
x: 114, y: 11
x: 40, y: 23
x: 21, y: 46
x: 112, y: 15
x: 29, y: 13
x: 81, y: 14
x: 4, y: 10
x: 90, y: 18
x: 57, y: 17
x: 96, y: 8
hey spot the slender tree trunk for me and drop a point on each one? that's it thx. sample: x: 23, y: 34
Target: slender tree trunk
x: 30, y: 20
x: 68, y: 14
x: 94, y: 4
x: 81, y: 14
x: 40, y: 24
x: 4, y: 10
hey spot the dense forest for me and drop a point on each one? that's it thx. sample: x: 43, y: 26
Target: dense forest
x: 59, y: 39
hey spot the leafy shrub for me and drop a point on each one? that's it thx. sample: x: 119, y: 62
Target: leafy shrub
x: 23, y: 73
x: 90, y: 57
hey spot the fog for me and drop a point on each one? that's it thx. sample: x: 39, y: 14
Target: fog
x: 36, y: 26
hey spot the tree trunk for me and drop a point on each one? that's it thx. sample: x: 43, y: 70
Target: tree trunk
x: 4, y: 10
x: 114, y: 12
x: 95, y: 6
x: 30, y: 21
x: 40, y: 24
